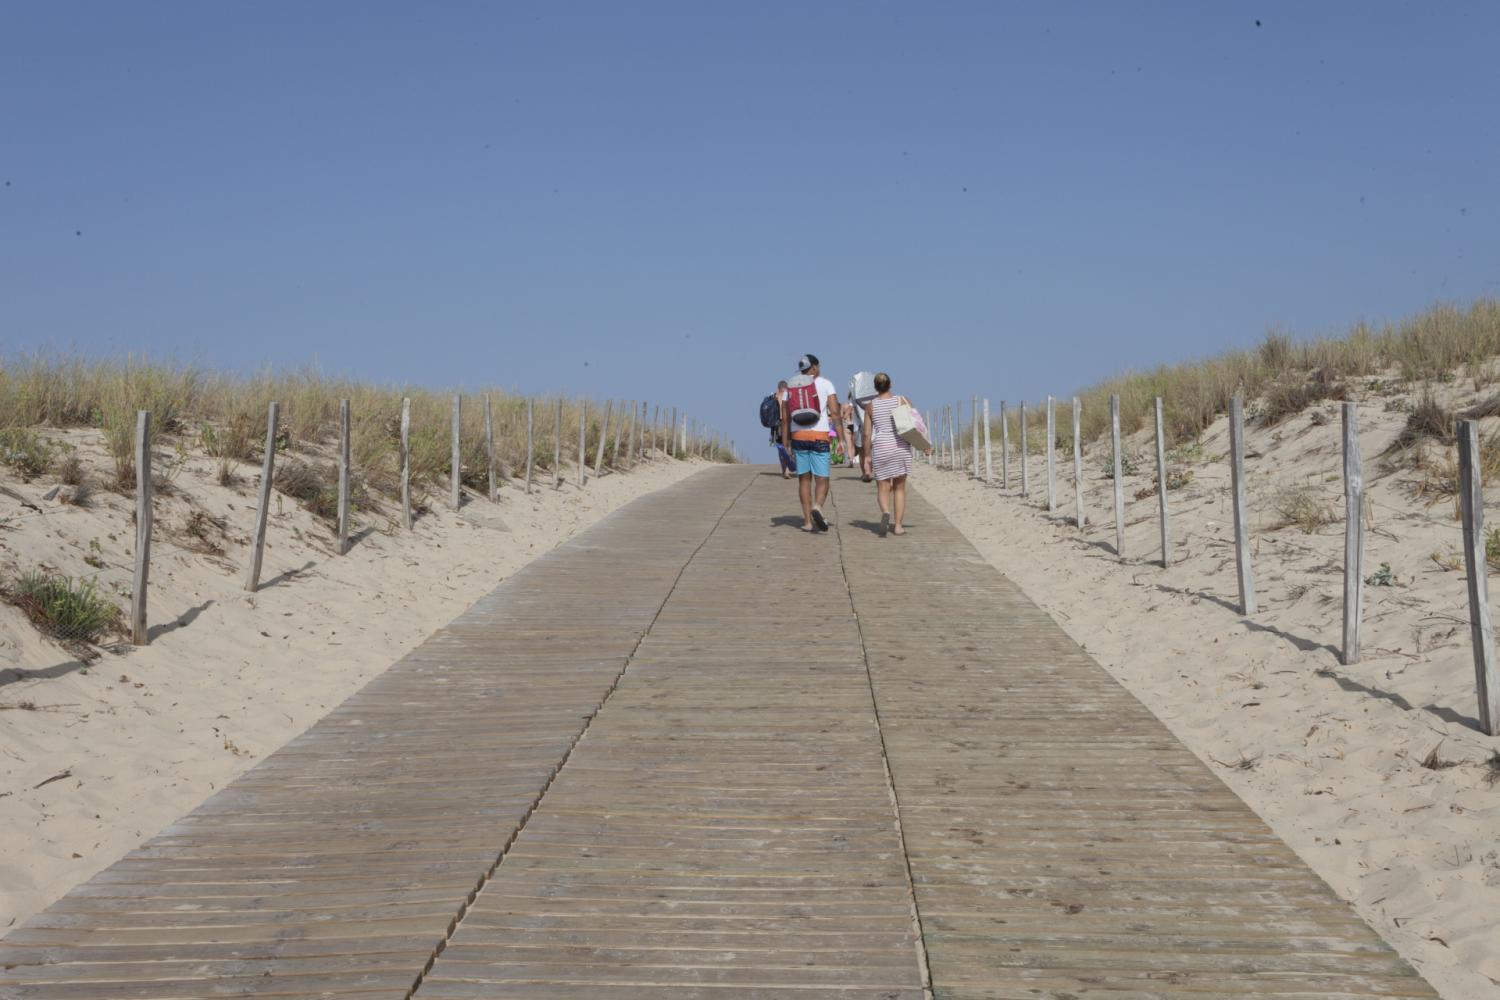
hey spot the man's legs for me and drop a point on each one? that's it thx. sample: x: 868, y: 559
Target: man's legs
x: 805, y: 494
x: 822, y: 482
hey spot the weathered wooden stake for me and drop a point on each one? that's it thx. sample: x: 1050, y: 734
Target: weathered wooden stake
x: 1354, y: 535
x: 1241, y: 517
x: 557, y: 473
x: 614, y: 449
x: 405, y: 457
x: 1119, y: 470
x: 530, y: 441
x: 583, y: 409
x: 1051, y: 455
x: 1078, y: 514
x: 1161, y: 488
x: 672, y: 451
x: 1025, y: 447
x: 456, y: 472
x: 609, y: 405
x: 489, y: 446
x: 1004, y: 448
x: 138, y: 633
x: 344, y: 453
x: 988, y: 455
x: 1481, y: 631
x: 974, y: 433
x: 262, y: 508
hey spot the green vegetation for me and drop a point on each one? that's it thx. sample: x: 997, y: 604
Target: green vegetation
x: 26, y: 451
x: 64, y: 608
x: 1289, y: 376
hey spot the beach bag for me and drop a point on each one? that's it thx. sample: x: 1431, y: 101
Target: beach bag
x: 862, y: 387
x: 910, y: 427
x: 803, y: 406
x: 770, y: 412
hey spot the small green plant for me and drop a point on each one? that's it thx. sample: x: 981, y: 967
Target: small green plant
x: 1382, y: 577
x: 64, y: 608
x: 1301, y: 506
x: 70, y: 471
x: 27, y: 452
x: 1492, y: 547
x: 1127, y: 465
x: 1178, y: 478
x: 1450, y: 560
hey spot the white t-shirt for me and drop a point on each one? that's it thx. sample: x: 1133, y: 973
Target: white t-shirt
x: 825, y: 389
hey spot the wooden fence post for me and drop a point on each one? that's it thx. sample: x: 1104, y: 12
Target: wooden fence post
x: 955, y: 460
x: 614, y: 452
x: 1161, y: 488
x: 405, y: 458
x: 530, y: 440
x: 1114, y: 440
x: 139, y: 635
x: 344, y: 453
x: 656, y: 429
x: 603, y: 436
x: 1481, y: 631
x: 262, y: 510
x: 672, y: 436
x: 1004, y: 448
x: 974, y: 433
x: 489, y: 446
x: 1025, y: 447
x: 583, y: 409
x: 1078, y: 464
x: 557, y: 473
x: 1354, y: 535
x: 456, y: 472
x: 1052, y: 435
x: 682, y: 440
x: 988, y: 454
x: 1237, y: 485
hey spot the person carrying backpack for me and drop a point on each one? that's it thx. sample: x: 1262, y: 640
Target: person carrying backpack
x: 771, y: 418
x: 805, y: 422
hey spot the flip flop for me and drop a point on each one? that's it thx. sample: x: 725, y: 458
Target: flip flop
x: 819, y: 519
x: 885, y: 524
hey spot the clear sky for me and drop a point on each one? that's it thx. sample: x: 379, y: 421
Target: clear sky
x: 674, y: 200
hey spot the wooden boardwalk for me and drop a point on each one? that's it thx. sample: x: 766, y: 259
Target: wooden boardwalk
x: 831, y: 766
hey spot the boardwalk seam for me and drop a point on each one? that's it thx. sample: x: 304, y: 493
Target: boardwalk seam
x: 890, y: 781
x: 489, y: 873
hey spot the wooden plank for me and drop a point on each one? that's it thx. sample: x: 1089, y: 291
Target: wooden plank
x: 1481, y: 629
x: 139, y: 634
x: 263, y: 499
x: 582, y: 431
x: 1354, y: 535
x: 974, y: 433
x: 614, y: 454
x: 557, y: 432
x: 1114, y: 440
x: 1243, y: 572
x: 1161, y: 488
x: 1025, y: 447
x: 609, y: 406
x: 1004, y: 448
x: 530, y: 441
x: 344, y: 458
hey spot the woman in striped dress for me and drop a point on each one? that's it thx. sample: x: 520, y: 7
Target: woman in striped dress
x: 887, y: 457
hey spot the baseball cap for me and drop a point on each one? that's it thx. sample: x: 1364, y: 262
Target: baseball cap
x: 806, y: 361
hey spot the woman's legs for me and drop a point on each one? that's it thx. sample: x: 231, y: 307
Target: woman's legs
x: 898, y: 489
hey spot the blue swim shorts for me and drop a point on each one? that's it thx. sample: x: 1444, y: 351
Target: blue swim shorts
x: 811, y: 458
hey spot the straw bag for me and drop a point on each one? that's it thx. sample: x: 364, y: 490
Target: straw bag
x: 910, y: 427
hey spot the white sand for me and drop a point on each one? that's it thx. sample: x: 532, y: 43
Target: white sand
x: 1333, y: 754
x: 144, y: 734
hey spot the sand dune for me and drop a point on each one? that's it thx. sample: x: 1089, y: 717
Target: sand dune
x: 95, y: 757
x: 1331, y: 756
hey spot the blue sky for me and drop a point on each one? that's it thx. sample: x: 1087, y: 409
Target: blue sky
x: 674, y: 200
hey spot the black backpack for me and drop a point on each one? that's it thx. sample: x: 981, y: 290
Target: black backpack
x: 770, y: 411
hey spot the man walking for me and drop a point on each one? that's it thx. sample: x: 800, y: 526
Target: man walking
x: 810, y: 402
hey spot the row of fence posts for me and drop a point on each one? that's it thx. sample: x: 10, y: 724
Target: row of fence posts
x: 946, y: 454
x: 682, y: 437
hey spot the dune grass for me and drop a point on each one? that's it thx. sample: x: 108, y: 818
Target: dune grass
x: 225, y: 416
x: 1284, y: 375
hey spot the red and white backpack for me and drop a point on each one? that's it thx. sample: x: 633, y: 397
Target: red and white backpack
x: 803, y: 406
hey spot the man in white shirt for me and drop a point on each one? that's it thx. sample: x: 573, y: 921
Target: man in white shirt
x: 808, y: 444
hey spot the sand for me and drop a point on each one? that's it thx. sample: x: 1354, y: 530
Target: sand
x: 96, y: 757
x: 1331, y: 756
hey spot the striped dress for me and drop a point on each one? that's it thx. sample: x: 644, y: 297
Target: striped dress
x: 889, y: 455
